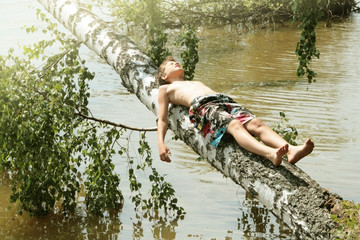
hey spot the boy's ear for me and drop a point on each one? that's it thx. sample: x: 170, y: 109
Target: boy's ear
x: 164, y: 77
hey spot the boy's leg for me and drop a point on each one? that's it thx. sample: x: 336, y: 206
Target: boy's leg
x: 248, y: 142
x: 258, y: 128
x: 269, y: 137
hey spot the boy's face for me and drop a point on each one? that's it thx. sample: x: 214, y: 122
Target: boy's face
x: 173, y: 70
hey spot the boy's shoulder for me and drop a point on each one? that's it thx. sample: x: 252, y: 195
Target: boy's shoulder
x: 168, y: 87
x: 163, y: 88
x: 163, y: 91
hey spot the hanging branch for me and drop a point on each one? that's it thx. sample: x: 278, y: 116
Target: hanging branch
x: 116, y: 124
x: 44, y: 95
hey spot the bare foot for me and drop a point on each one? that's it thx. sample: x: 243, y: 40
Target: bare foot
x: 298, y: 152
x: 276, y: 157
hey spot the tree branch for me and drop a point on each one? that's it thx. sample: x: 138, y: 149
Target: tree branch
x: 44, y: 95
x: 116, y: 124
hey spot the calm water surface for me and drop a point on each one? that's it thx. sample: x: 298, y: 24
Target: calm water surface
x: 258, y: 70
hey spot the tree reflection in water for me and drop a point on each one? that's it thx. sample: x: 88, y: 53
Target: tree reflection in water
x: 162, y: 228
x: 257, y: 221
x: 79, y: 225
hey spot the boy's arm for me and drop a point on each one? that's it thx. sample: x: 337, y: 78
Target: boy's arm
x: 162, y: 125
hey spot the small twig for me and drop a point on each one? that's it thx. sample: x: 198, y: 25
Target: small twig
x: 116, y: 124
x: 58, y: 60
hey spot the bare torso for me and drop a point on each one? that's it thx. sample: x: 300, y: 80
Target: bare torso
x: 183, y: 92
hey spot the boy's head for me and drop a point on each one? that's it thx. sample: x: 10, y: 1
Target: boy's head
x: 167, y: 69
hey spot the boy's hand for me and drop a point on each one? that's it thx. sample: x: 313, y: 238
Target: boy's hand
x: 164, y: 153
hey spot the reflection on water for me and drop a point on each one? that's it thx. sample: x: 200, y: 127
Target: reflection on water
x: 76, y: 226
x: 258, y: 70
x: 254, y: 221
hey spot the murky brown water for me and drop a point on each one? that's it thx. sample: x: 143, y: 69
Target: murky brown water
x: 258, y: 70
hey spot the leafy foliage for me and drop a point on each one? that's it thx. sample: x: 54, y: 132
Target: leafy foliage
x: 348, y: 221
x: 153, y: 15
x: 157, y: 46
x: 137, y: 12
x: 240, y: 14
x: 197, y: 12
x: 42, y: 137
x: 186, y: 39
x: 46, y: 136
x: 162, y: 193
x: 101, y: 185
x: 190, y: 56
x: 308, y: 12
x: 286, y: 131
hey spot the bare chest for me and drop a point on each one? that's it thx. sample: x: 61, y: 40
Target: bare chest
x: 182, y: 93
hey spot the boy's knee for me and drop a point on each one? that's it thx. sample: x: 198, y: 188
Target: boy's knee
x: 235, y: 125
x: 254, y: 125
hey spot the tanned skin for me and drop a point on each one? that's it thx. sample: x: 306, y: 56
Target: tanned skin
x: 181, y: 92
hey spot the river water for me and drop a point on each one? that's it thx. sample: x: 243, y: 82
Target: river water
x: 257, y: 70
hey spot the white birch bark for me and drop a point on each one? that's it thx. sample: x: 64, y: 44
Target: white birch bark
x: 285, y: 190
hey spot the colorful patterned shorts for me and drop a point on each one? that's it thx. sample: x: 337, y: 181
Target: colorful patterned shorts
x: 212, y: 114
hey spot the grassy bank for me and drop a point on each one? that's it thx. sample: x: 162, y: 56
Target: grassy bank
x: 347, y: 218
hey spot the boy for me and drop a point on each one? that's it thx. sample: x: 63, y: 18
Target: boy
x: 214, y: 114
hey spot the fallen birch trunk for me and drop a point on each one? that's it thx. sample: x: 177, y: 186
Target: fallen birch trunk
x: 285, y: 190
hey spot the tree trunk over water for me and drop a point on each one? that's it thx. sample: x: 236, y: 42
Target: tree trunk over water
x: 285, y: 190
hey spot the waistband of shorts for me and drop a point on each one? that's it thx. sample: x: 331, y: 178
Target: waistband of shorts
x: 200, y: 100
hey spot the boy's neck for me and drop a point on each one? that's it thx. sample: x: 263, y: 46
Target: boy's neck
x: 176, y: 80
